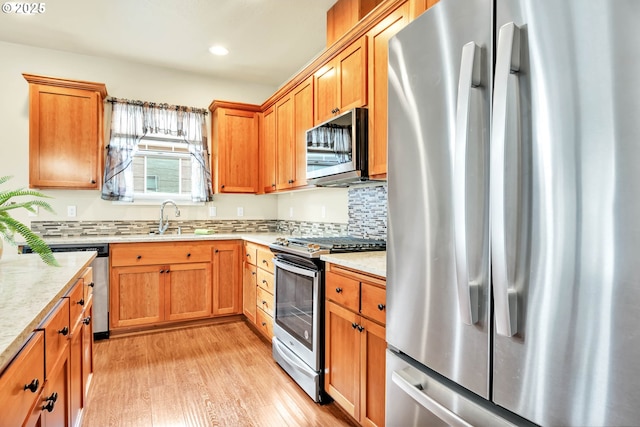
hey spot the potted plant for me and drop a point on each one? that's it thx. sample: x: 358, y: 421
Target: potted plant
x: 10, y: 226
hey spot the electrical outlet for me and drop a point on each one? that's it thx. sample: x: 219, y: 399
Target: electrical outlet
x: 291, y: 212
x: 240, y: 211
x: 34, y: 213
x: 71, y: 211
x: 213, y: 211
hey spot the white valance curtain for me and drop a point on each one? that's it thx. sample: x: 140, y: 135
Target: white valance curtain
x: 131, y: 121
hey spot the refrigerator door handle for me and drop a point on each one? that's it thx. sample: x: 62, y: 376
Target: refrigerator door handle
x: 507, y: 62
x: 470, y: 74
x: 415, y: 390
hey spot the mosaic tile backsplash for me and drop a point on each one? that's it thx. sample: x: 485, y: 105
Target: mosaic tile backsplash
x: 367, y: 218
x: 368, y: 211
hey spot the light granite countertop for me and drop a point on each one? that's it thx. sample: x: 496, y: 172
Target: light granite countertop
x: 368, y: 262
x: 29, y: 289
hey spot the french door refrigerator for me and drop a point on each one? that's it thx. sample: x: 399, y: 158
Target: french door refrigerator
x: 513, y: 287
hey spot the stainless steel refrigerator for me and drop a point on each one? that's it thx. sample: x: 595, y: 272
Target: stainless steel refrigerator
x: 513, y: 287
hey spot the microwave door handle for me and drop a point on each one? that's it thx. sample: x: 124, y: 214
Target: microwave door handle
x: 468, y: 290
x: 505, y: 296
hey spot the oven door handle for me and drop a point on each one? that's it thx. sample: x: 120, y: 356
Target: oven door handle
x: 294, y: 269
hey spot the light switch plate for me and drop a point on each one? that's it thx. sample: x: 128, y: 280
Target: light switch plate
x: 213, y: 211
x: 71, y: 211
x: 240, y: 211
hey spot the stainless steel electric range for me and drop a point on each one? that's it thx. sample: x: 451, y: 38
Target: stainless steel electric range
x: 298, y: 342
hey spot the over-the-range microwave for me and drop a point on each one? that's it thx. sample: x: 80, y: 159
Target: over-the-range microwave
x: 337, y: 150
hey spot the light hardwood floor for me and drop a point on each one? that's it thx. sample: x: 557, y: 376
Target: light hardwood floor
x: 217, y: 375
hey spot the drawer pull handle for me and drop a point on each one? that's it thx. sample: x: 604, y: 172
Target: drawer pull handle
x: 264, y: 261
x: 248, y: 255
x: 263, y: 302
x: 139, y: 257
x: 86, y: 320
x: 91, y: 285
x: 64, y: 331
x: 264, y: 281
x: 53, y: 397
x: 32, y: 386
x: 354, y: 325
x: 381, y: 307
x: 81, y: 302
x: 339, y: 290
x: 253, y: 273
x: 49, y: 406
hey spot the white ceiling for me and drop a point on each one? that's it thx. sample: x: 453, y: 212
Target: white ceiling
x: 268, y: 40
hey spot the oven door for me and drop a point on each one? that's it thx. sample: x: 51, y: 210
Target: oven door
x: 298, y: 307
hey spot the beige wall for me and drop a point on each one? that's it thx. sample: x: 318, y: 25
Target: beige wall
x: 136, y: 81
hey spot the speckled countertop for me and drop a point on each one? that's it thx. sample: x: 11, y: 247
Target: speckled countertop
x: 368, y: 262
x: 29, y: 289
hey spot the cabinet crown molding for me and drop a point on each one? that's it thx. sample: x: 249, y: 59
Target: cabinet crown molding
x: 99, y: 88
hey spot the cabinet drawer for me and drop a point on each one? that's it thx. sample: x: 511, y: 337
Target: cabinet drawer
x: 264, y: 300
x: 56, y: 331
x: 264, y: 322
x: 26, y: 369
x: 374, y: 302
x: 251, y: 253
x: 265, y: 259
x: 265, y: 280
x: 76, y: 302
x: 343, y: 290
x: 155, y: 254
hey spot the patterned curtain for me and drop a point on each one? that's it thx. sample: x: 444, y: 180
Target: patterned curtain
x: 127, y: 128
x: 147, y: 118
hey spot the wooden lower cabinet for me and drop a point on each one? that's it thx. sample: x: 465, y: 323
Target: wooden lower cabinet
x: 227, y: 274
x: 258, y: 288
x: 249, y: 291
x: 355, y: 344
x: 137, y: 296
x: 187, y: 291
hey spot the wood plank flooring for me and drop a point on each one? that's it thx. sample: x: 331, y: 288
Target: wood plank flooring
x: 216, y: 375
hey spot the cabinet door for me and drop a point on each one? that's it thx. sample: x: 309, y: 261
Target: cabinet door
x: 187, y: 291
x: 342, y: 357
x: 137, y: 296
x: 87, y: 351
x: 249, y: 292
x: 352, y: 76
x: 325, y: 81
x: 302, y: 121
x: 372, y: 374
x: 58, y: 383
x: 268, y: 150
x: 378, y: 38
x: 227, y: 290
x: 237, y: 148
x: 65, y: 137
x: 75, y: 369
x: 284, y: 143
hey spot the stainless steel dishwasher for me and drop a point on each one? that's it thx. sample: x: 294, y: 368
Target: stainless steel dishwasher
x: 100, y: 279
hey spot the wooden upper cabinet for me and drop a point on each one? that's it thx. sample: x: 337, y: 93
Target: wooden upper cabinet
x: 284, y: 143
x: 235, y: 134
x: 66, y: 132
x: 268, y: 150
x: 378, y: 56
x: 344, y: 15
x: 341, y: 83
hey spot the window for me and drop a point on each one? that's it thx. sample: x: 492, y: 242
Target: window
x: 162, y: 168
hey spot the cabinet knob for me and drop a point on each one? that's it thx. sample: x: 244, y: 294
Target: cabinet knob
x: 264, y: 281
x: 32, y: 386
x: 53, y: 397
x: 248, y: 255
x: 216, y: 251
x: 290, y: 181
x: 360, y: 328
x: 93, y: 181
x: 339, y: 290
x: 64, y: 331
x: 354, y: 325
x: 222, y: 186
x: 139, y: 257
x: 263, y: 302
x: 49, y: 406
x: 86, y: 320
x: 264, y: 261
x: 188, y: 255
x: 91, y: 285
x: 253, y: 273
x: 264, y: 323
x: 161, y: 271
x: 273, y: 185
x: 168, y: 271
x: 381, y: 307
x: 81, y: 302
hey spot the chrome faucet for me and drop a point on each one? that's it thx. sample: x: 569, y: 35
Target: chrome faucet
x: 164, y: 222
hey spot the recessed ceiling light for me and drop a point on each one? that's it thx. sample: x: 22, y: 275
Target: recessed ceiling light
x: 218, y: 50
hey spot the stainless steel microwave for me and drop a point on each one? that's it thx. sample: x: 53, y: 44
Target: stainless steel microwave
x: 337, y: 150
